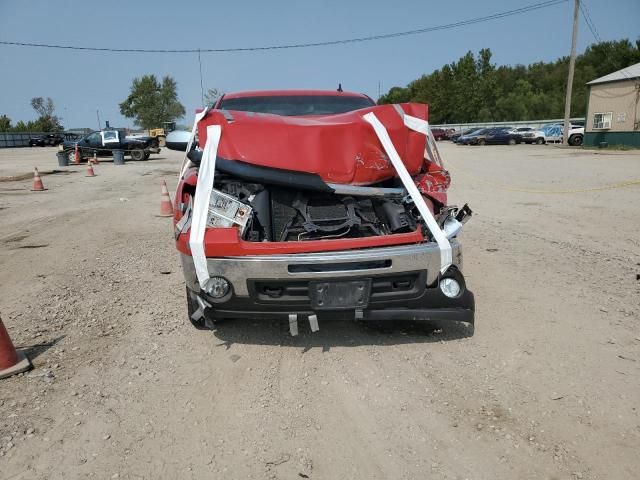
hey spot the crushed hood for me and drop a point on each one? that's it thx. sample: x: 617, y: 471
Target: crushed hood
x: 339, y: 148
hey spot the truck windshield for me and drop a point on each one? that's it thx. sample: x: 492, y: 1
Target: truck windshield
x: 297, y: 105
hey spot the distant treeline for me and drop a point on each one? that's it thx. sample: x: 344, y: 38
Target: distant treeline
x: 47, y: 120
x: 475, y: 90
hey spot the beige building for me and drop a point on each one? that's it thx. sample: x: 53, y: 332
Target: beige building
x: 613, y: 111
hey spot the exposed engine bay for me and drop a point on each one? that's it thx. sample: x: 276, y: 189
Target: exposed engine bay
x: 276, y: 214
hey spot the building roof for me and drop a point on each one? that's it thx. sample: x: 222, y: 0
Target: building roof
x: 627, y: 73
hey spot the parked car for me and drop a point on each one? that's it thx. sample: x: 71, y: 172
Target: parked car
x: 501, y: 136
x: 285, y: 233
x: 48, y: 140
x: 455, y: 136
x: 531, y: 135
x: 475, y: 137
x: 103, y: 143
x: 440, y: 133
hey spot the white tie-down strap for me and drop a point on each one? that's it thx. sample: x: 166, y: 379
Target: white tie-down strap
x: 204, y: 186
x: 422, y: 126
x: 194, y: 129
x: 439, y: 236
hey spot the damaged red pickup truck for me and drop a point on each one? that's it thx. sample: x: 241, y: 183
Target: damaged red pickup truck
x: 304, y: 205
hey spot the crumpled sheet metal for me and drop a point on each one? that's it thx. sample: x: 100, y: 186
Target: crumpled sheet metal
x: 339, y: 148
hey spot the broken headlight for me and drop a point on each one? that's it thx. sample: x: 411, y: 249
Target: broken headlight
x: 227, y: 211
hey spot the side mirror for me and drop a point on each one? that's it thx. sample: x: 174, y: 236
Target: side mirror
x: 178, y: 140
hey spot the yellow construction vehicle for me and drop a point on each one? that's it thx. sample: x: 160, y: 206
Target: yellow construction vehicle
x: 161, y: 133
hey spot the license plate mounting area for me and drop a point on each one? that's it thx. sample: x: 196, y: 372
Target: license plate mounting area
x: 340, y: 295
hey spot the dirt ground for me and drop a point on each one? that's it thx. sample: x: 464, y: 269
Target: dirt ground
x: 124, y: 387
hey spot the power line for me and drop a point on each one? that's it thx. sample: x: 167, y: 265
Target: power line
x: 384, y: 36
x: 594, y: 31
x: 589, y: 21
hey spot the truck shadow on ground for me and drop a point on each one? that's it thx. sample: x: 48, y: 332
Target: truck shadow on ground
x: 336, y: 333
x: 34, y: 351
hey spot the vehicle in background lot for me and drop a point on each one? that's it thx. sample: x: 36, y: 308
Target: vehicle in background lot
x: 48, y: 140
x: 553, y: 134
x: 531, y: 135
x: 441, y: 133
x: 455, y: 136
x: 161, y: 133
x: 293, y: 236
x: 501, y: 136
x: 491, y: 136
x: 102, y: 143
x: 474, y: 137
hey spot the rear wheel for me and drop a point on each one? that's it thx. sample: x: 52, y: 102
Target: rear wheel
x: 482, y: 141
x: 539, y: 141
x: 512, y: 141
x: 137, y: 154
x: 575, y: 140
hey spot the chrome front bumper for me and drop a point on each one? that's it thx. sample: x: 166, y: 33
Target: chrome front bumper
x: 324, y: 265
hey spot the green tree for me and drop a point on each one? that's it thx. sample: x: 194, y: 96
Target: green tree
x: 473, y: 89
x: 47, y: 120
x: 5, y: 123
x: 395, y: 95
x: 21, y: 127
x: 150, y: 102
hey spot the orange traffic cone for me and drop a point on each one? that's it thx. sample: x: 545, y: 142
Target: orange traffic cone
x: 166, y: 209
x: 90, y: 172
x: 12, y: 361
x: 76, y: 158
x: 37, y: 181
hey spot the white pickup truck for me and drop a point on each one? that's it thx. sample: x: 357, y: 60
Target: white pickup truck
x: 553, y: 134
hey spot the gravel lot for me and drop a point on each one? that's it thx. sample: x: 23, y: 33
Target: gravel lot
x: 124, y: 387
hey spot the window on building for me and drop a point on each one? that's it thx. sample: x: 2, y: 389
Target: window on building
x: 602, y: 120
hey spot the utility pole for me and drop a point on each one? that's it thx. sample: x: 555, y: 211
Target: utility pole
x: 98, y: 115
x: 572, y: 65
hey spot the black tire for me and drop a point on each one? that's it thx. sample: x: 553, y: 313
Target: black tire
x: 512, y: 141
x: 539, y: 141
x: 71, y: 154
x: 482, y: 142
x: 575, y: 140
x: 137, y: 154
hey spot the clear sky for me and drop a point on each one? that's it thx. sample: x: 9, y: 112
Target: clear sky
x: 82, y: 82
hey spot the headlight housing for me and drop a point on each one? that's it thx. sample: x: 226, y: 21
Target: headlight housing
x: 450, y: 287
x: 226, y: 211
x: 218, y: 287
